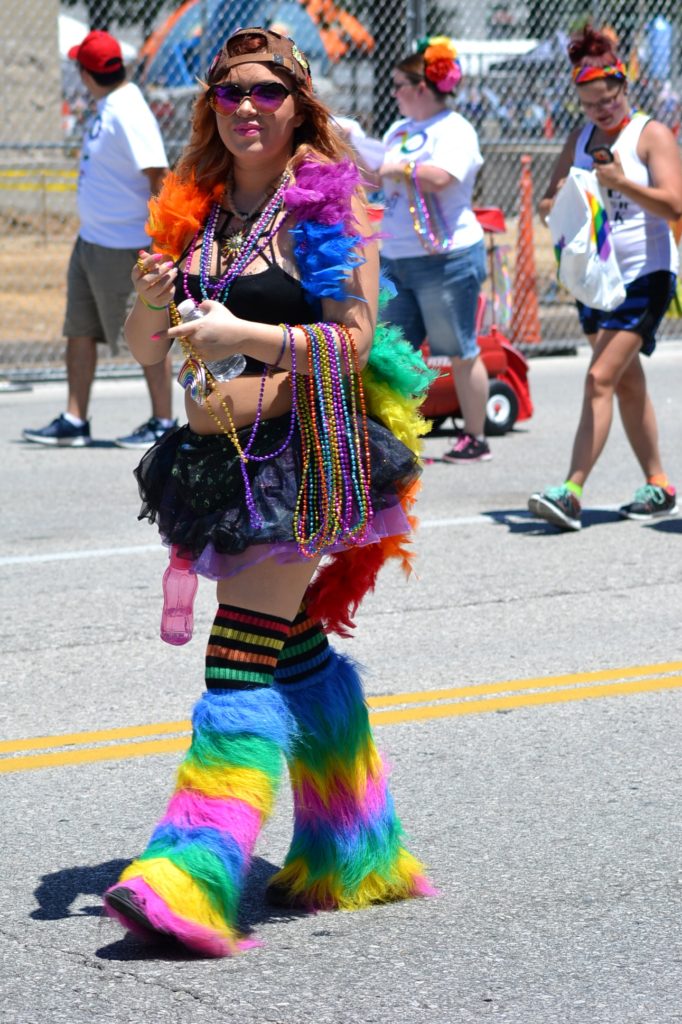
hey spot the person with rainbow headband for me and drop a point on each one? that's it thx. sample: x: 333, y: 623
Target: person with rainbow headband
x: 291, y: 485
x: 433, y: 247
x: 641, y: 180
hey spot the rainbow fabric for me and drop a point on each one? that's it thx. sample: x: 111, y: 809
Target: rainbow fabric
x: 243, y: 648
x: 590, y: 73
x: 189, y: 879
x: 347, y: 850
x: 601, y: 229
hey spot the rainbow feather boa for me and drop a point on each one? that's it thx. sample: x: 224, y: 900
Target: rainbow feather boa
x: 327, y: 249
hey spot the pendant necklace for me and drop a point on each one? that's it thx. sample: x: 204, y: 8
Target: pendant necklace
x: 232, y: 243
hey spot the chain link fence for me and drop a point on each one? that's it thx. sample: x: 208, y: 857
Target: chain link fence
x: 516, y: 90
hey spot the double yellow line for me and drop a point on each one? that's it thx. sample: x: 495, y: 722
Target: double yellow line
x: 169, y: 737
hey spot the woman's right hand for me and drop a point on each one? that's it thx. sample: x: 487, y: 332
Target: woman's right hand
x: 153, y: 278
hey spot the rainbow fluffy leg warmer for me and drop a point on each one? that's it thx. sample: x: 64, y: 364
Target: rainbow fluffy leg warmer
x: 347, y: 850
x: 188, y: 882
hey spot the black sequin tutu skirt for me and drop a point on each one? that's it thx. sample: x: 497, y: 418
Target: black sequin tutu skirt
x: 192, y: 487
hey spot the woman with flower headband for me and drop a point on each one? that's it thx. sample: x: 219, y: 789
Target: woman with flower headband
x: 287, y: 464
x: 638, y: 166
x: 433, y: 246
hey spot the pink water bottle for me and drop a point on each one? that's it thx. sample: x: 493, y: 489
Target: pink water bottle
x: 179, y: 588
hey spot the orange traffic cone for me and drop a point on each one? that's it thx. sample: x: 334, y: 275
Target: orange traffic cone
x: 525, y: 318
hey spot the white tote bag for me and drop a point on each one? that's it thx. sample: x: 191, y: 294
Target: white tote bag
x: 581, y: 235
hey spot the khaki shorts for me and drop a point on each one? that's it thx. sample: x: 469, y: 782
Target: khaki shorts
x: 99, y: 292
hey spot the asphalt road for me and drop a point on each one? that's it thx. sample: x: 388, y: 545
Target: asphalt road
x: 526, y: 688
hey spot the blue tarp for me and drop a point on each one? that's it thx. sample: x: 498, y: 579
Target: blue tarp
x: 189, y: 47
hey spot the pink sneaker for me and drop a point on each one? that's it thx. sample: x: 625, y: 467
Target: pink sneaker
x: 468, y: 449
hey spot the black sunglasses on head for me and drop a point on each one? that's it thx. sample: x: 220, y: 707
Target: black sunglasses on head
x: 267, y: 97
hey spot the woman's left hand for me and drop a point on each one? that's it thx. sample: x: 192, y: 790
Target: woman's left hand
x: 215, y: 335
x: 610, y: 175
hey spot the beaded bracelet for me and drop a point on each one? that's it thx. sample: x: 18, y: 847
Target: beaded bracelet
x: 157, y: 309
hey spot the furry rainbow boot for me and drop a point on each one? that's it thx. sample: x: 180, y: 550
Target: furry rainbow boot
x: 188, y: 882
x: 347, y: 850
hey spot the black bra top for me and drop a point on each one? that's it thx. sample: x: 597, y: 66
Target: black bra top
x: 271, y: 297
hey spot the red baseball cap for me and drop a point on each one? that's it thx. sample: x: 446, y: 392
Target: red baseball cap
x: 99, y: 52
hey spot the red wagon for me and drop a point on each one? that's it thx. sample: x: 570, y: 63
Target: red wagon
x: 509, y: 394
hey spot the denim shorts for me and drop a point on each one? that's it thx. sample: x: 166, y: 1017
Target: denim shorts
x: 646, y: 300
x: 99, y: 292
x: 437, y: 297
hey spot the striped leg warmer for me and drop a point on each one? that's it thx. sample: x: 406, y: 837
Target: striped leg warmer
x: 187, y: 884
x: 347, y: 850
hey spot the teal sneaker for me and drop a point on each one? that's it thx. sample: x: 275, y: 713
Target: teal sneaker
x: 650, y: 502
x: 558, y: 506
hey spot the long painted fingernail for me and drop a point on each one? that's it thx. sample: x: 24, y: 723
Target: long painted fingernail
x: 155, y: 337
x: 158, y: 256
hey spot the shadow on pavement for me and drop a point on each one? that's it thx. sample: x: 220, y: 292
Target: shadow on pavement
x: 665, y: 525
x: 58, y: 890
x: 519, y: 520
x: 95, y: 443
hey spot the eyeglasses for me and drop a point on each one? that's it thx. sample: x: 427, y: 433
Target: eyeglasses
x: 267, y: 97
x: 601, y: 106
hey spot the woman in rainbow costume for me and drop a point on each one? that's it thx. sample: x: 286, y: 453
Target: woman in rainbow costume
x: 291, y: 485
x: 637, y: 163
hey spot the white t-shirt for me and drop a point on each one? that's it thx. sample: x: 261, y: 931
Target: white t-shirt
x: 120, y: 141
x: 643, y: 242
x: 449, y: 141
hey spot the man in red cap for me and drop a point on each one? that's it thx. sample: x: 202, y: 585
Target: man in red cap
x: 123, y: 160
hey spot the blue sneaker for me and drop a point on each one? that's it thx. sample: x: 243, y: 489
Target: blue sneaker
x: 558, y: 506
x: 650, y: 502
x: 60, y: 432
x: 145, y: 435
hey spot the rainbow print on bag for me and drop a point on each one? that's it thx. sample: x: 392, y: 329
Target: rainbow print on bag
x: 601, y: 229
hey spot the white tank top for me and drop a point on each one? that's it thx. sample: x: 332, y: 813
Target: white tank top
x: 643, y: 243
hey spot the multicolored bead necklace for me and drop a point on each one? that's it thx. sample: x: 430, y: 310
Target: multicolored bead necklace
x: 334, y: 504
x: 231, y: 245
x: 255, y: 242
x: 427, y: 217
x: 196, y: 376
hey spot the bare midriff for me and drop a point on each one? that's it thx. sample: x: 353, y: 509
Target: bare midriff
x: 240, y: 397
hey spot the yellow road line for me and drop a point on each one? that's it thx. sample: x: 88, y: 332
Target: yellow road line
x: 522, y: 700
x: 390, y: 700
x: 128, y: 732
x: 121, y: 752
x: 534, y: 683
x: 552, y: 694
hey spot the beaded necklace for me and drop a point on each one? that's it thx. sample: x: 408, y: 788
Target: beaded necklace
x: 255, y: 242
x: 235, y: 239
x: 196, y: 376
x: 427, y: 216
x: 334, y: 504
